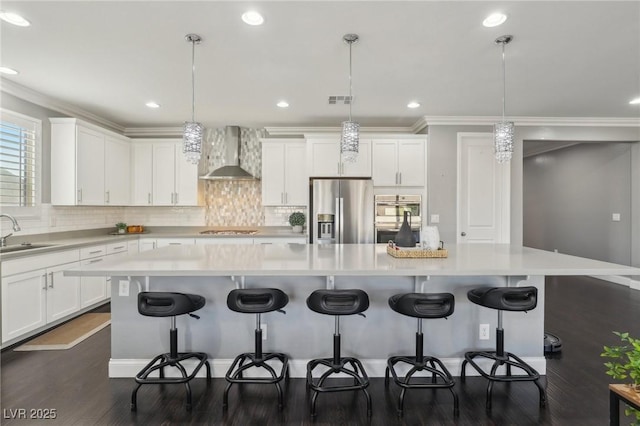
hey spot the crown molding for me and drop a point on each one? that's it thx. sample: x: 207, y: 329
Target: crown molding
x: 534, y: 121
x: 153, y: 132
x: 299, y: 131
x: 57, y: 105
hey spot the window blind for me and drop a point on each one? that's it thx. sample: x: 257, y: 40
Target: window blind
x: 18, y: 137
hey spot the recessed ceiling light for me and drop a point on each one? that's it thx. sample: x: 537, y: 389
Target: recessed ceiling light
x: 413, y: 105
x: 494, y: 20
x: 252, y: 17
x: 635, y: 101
x: 14, y: 18
x: 283, y: 104
x: 153, y: 104
x: 10, y: 71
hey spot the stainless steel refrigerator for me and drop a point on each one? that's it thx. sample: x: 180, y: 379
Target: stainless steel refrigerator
x: 341, y: 211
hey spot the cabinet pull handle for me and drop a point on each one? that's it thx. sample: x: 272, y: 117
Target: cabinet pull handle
x: 149, y: 198
x: 286, y: 198
x: 95, y: 261
x: 95, y: 252
x: 400, y: 178
x: 51, y: 282
x: 118, y: 248
x: 79, y: 195
x: 177, y: 198
x: 45, y: 281
x: 107, y: 197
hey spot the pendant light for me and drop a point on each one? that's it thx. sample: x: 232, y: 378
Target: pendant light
x: 192, y: 136
x: 503, y: 131
x: 350, y: 137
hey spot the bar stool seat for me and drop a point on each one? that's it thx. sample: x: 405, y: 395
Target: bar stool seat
x: 515, y: 299
x: 338, y: 303
x: 421, y: 306
x: 166, y: 304
x: 257, y: 301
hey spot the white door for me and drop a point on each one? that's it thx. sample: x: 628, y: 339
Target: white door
x: 24, y: 303
x: 411, y: 161
x: 483, y: 191
x: 63, y: 293
x: 273, y: 172
x: 92, y: 289
x: 385, y: 162
x: 90, y: 166
x: 325, y: 157
x: 362, y: 166
x: 117, y: 171
x: 186, y: 180
x: 296, y: 175
x: 141, y: 173
x: 163, y: 174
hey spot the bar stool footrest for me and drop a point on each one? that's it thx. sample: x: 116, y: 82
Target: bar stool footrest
x: 235, y: 374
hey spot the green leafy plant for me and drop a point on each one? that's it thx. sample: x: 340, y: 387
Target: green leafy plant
x: 297, y: 219
x: 625, y: 365
x: 121, y: 225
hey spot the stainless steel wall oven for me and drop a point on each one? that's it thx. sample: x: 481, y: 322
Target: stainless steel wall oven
x: 389, y: 214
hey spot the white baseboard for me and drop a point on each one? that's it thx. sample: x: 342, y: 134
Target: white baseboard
x: 120, y: 368
x: 618, y: 279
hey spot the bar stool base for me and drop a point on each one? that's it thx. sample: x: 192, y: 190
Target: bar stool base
x: 235, y: 374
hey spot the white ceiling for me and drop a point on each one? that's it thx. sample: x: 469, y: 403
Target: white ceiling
x: 567, y: 59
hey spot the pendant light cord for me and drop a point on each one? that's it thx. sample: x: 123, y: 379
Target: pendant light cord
x: 193, y: 80
x: 504, y: 84
x: 350, y: 84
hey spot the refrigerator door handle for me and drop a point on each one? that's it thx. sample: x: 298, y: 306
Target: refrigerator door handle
x: 340, y: 207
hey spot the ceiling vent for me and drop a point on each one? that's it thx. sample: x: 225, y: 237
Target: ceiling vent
x: 340, y: 100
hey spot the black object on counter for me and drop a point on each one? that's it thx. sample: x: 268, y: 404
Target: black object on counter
x: 404, y: 237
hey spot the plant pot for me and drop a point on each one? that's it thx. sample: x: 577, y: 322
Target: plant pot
x: 121, y: 231
x: 297, y: 228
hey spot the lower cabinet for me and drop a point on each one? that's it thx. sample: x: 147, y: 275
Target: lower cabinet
x: 92, y: 289
x: 31, y: 299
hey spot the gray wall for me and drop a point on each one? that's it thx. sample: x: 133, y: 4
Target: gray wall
x: 569, y: 196
x: 21, y: 106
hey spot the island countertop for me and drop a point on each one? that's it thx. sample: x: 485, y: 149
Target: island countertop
x: 345, y: 260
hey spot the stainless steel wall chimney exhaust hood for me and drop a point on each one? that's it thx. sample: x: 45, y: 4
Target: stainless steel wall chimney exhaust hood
x: 231, y: 156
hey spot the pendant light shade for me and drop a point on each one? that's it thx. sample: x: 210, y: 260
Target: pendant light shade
x: 193, y: 131
x: 503, y: 132
x: 350, y: 137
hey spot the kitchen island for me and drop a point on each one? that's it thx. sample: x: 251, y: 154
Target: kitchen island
x: 298, y: 269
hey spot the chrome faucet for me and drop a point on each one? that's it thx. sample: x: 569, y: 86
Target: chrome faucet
x: 16, y: 228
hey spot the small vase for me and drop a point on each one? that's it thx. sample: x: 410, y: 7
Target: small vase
x: 430, y: 238
x: 121, y: 231
x: 297, y: 229
x: 405, y: 237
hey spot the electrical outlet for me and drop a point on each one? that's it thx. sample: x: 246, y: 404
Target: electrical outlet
x: 484, y: 332
x: 123, y: 289
x: 615, y: 217
x: 263, y: 327
x: 435, y: 218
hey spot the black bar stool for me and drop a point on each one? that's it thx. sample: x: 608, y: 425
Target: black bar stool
x: 503, y: 299
x: 421, y: 305
x: 257, y: 301
x: 338, y: 303
x: 161, y: 304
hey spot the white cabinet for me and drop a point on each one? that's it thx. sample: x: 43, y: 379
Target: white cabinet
x: 33, y: 298
x: 399, y: 162
x: 141, y: 174
x: 145, y: 244
x: 164, y: 242
x: 285, y: 180
x: 89, y: 165
x: 324, y: 159
x: 224, y: 240
x: 92, y: 289
x: 174, y: 179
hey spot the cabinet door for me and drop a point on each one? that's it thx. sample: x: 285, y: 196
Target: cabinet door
x: 141, y: 174
x: 362, y: 166
x: 146, y: 244
x: 411, y: 163
x: 186, y: 180
x: 385, y: 159
x: 273, y: 173
x: 325, y: 159
x: 163, y: 174
x: 92, y: 289
x: 90, y: 167
x: 63, y: 293
x: 24, y: 303
x: 296, y: 183
x: 164, y: 242
x: 117, y: 171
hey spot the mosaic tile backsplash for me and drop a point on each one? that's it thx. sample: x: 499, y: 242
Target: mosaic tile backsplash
x: 250, y: 149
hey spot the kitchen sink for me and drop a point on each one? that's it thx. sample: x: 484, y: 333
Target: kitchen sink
x: 22, y: 247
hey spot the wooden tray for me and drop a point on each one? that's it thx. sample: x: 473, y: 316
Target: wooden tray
x: 416, y: 253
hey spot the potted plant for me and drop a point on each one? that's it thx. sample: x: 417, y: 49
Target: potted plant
x: 122, y: 227
x: 297, y: 220
x: 625, y: 365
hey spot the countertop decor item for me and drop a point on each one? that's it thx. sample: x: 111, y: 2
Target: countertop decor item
x: 625, y: 365
x: 122, y: 227
x: 415, y: 253
x: 192, y: 137
x: 405, y: 237
x: 503, y: 131
x: 135, y: 229
x: 297, y: 221
x: 430, y: 238
x: 350, y: 137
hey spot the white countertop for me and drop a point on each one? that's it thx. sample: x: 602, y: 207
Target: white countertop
x: 347, y: 259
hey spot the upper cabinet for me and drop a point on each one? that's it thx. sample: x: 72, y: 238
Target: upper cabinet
x: 324, y: 158
x: 161, y: 175
x: 285, y: 180
x: 399, y: 162
x: 89, y: 165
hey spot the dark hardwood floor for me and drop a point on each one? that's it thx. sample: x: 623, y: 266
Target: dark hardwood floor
x: 582, y: 311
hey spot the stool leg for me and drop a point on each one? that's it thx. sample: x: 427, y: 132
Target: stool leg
x: 134, y: 399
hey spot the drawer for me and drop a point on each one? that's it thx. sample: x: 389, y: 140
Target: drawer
x: 93, y: 251
x: 42, y: 261
x: 114, y: 248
